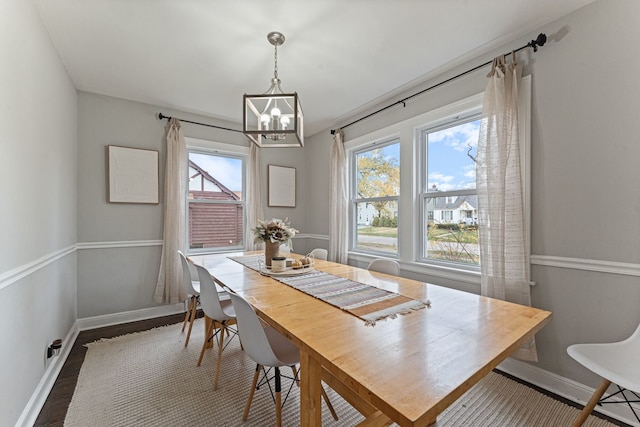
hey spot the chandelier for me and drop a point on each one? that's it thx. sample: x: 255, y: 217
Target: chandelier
x: 274, y: 118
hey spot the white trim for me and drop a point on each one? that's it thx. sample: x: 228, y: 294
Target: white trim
x: 564, y: 387
x: 12, y: 276
x: 39, y: 396
x: 129, y: 316
x: 624, y: 268
x: 118, y: 244
x: 311, y: 236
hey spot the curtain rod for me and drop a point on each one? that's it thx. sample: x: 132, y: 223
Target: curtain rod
x: 539, y: 41
x: 162, y: 116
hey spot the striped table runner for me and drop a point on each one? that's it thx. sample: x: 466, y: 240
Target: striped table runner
x: 367, y: 302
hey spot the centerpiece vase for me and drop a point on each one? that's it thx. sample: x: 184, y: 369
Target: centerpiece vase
x: 271, y: 249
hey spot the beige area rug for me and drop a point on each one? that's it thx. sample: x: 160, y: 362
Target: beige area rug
x: 150, y: 379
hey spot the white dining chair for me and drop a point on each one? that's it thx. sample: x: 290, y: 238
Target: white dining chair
x: 269, y: 349
x: 383, y: 265
x: 319, y: 253
x: 617, y: 363
x: 220, y: 312
x: 192, y: 287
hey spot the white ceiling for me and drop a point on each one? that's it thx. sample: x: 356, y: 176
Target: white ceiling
x: 201, y: 56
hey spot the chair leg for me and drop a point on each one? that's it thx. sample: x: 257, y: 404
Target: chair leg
x: 295, y: 375
x: 595, y: 398
x: 207, y: 336
x: 278, y: 398
x: 220, y: 346
x: 329, y: 405
x: 253, y: 389
x: 194, y: 308
x: 186, y: 315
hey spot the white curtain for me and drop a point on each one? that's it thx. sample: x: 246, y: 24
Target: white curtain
x: 169, y: 288
x: 338, y: 235
x: 254, y: 198
x: 501, y: 216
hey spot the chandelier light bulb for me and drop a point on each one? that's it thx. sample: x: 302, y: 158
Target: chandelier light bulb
x: 265, y: 118
x: 275, y: 112
x: 284, y: 121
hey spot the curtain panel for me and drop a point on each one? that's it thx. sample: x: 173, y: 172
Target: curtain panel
x: 501, y: 215
x: 169, y: 287
x: 254, y: 197
x: 338, y: 234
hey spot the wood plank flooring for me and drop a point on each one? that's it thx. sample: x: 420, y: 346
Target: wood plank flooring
x: 55, y: 408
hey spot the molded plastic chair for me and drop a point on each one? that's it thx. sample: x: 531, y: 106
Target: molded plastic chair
x: 383, y: 265
x: 268, y: 348
x: 220, y: 311
x: 193, y: 290
x: 617, y: 363
x: 319, y: 253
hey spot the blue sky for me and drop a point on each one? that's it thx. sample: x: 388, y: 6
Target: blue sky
x: 227, y: 170
x: 449, y: 167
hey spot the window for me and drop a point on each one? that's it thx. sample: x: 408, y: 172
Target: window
x: 374, y: 199
x: 448, y: 199
x: 215, y: 201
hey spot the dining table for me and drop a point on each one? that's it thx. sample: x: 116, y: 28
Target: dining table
x: 406, y: 368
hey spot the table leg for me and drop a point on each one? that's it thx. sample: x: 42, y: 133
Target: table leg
x: 310, y: 391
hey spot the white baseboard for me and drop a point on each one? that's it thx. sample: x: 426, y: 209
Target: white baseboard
x: 566, y: 388
x: 129, y: 316
x: 38, y: 398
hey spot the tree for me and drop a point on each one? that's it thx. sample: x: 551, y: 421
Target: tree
x: 378, y: 176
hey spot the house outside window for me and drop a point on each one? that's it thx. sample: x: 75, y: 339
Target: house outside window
x: 215, y: 202
x: 450, y: 203
x: 374, y: 200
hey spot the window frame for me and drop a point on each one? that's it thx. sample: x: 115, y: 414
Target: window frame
x: 470, y: 112
x: 219, y: 149
x: 354, y: 200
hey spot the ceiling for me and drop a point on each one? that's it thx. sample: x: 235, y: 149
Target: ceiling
x: 340, y: 56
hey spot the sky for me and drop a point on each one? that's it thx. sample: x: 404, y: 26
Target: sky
x: 227, y: 170
x: 449, y: 167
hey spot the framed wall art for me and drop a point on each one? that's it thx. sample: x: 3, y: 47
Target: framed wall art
x: 133, y: 175
x: 281, y: 183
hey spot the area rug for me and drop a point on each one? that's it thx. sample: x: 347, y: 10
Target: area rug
x: 150, y: 379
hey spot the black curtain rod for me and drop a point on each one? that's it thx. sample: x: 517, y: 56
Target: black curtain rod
x: 162, y: 116
x: 539, y: 41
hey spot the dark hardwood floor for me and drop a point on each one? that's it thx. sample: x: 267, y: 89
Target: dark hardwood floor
x: 55, y: 408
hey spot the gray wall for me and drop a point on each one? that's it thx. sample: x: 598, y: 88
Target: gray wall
x: 585, y: 181
x: 62, y: 240
x: 38, y: 118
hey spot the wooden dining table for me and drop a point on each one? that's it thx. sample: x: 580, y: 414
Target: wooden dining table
x: 406, y: 369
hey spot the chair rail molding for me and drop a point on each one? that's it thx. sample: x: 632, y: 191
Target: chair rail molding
x: 612, y: 267
x: 16, y: 274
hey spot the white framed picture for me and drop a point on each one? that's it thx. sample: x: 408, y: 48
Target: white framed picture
x: 133, y: 175
x: 282, y: 186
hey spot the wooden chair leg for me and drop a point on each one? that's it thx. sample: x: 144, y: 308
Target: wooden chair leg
x: 253, y: 389
x: 595, y: 398
x: 295, y: 375
x: 194, y: 308
x: 207, y: 335
x: 186, y: 315
x: 329, y: 405
x: 278, y: 398
x: 220, y: 346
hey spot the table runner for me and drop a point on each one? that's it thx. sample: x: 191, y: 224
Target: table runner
x: 367, y: 302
